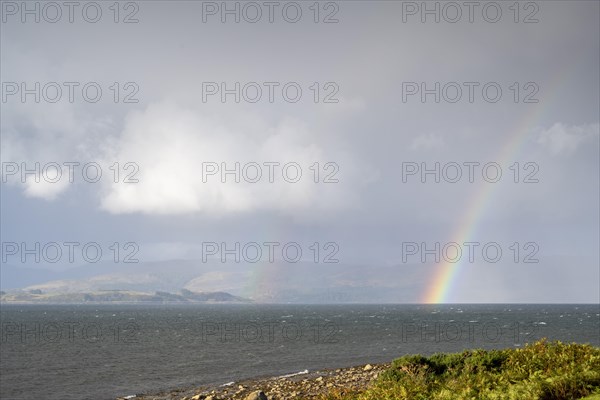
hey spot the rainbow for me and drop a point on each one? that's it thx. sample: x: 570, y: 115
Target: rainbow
x: 439, y: 289
x: 263, y: 279
x: 446, y: 274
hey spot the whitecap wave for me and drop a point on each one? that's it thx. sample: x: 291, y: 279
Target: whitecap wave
x: 295, y: 374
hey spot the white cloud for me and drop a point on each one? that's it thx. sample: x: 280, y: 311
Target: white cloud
x: 171, y: 145
x: 565, y: 140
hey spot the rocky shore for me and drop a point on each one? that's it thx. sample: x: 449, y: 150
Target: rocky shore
x: 308, y: 385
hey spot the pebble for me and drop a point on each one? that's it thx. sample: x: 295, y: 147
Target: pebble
x: 310, y: 386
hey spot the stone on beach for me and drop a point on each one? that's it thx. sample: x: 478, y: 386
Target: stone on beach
x: 258, y: 395
x: 200, y: 397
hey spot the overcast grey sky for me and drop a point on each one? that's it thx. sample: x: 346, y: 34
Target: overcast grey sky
x: 518, y: 92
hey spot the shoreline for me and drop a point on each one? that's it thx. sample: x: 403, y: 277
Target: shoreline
x: 308, y: 384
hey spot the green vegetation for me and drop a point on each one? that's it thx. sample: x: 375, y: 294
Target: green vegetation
x: 540, y: 371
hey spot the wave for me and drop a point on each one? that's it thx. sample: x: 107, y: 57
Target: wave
x: 295, y: 374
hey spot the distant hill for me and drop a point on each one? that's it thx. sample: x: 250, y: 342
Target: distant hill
x: 119, y: 296
x: 279, y: 282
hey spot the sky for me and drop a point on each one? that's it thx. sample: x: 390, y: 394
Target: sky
x: 369, y: 128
